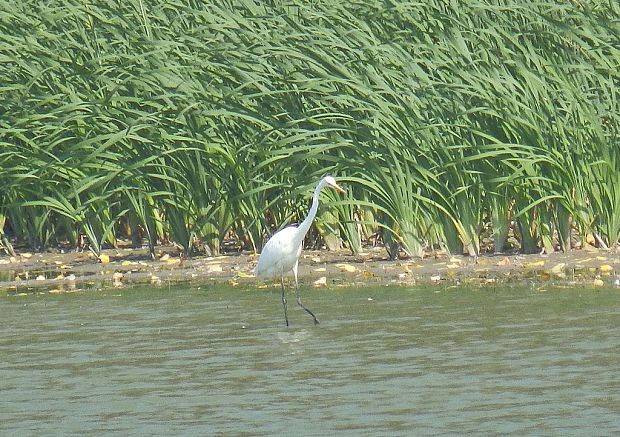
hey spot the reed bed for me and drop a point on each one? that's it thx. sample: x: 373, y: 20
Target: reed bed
x: 200, y: 122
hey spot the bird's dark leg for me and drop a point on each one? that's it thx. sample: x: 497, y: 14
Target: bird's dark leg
x: 284, y: 300
x: 316, y: 321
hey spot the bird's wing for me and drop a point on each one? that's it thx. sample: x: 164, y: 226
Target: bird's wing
x: 280, y: 253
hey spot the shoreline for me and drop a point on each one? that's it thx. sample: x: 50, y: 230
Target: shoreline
x: 56, y: 272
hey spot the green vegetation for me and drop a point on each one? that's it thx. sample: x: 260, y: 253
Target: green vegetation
x: 192, y: 121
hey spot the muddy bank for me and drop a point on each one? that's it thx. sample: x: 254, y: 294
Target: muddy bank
x: 71, y: 272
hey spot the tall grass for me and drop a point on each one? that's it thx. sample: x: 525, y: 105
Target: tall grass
x: 194, y: 122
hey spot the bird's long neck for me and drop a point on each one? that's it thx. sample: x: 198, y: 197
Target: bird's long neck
x: 305, y: 225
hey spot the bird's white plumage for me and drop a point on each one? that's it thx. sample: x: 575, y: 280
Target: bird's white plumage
x: 280, y: 254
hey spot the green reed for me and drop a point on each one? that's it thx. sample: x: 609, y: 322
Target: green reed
x: 194, y: 122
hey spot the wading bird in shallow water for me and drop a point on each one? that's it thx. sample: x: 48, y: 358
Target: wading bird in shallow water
x: 281, y: 253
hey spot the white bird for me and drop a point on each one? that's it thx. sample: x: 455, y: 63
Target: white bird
x: 281, y: 253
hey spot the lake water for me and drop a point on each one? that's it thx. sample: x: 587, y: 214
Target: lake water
x: 383, y: 361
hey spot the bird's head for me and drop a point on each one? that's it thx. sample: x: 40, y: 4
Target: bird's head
x: 330, y: 181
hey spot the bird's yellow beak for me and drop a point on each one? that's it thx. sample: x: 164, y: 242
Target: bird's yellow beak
x: 338, y: 188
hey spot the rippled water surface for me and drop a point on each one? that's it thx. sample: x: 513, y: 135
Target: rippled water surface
x: 385, y: 361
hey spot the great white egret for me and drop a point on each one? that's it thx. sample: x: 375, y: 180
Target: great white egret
x: 281, y: 253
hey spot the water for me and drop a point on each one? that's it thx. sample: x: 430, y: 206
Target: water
x: 387, y: 361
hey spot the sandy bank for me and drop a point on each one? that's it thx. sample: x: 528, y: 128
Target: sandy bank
x: 70, y: 272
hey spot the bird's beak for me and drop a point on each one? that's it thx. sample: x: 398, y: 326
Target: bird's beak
x: 339, y: 189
